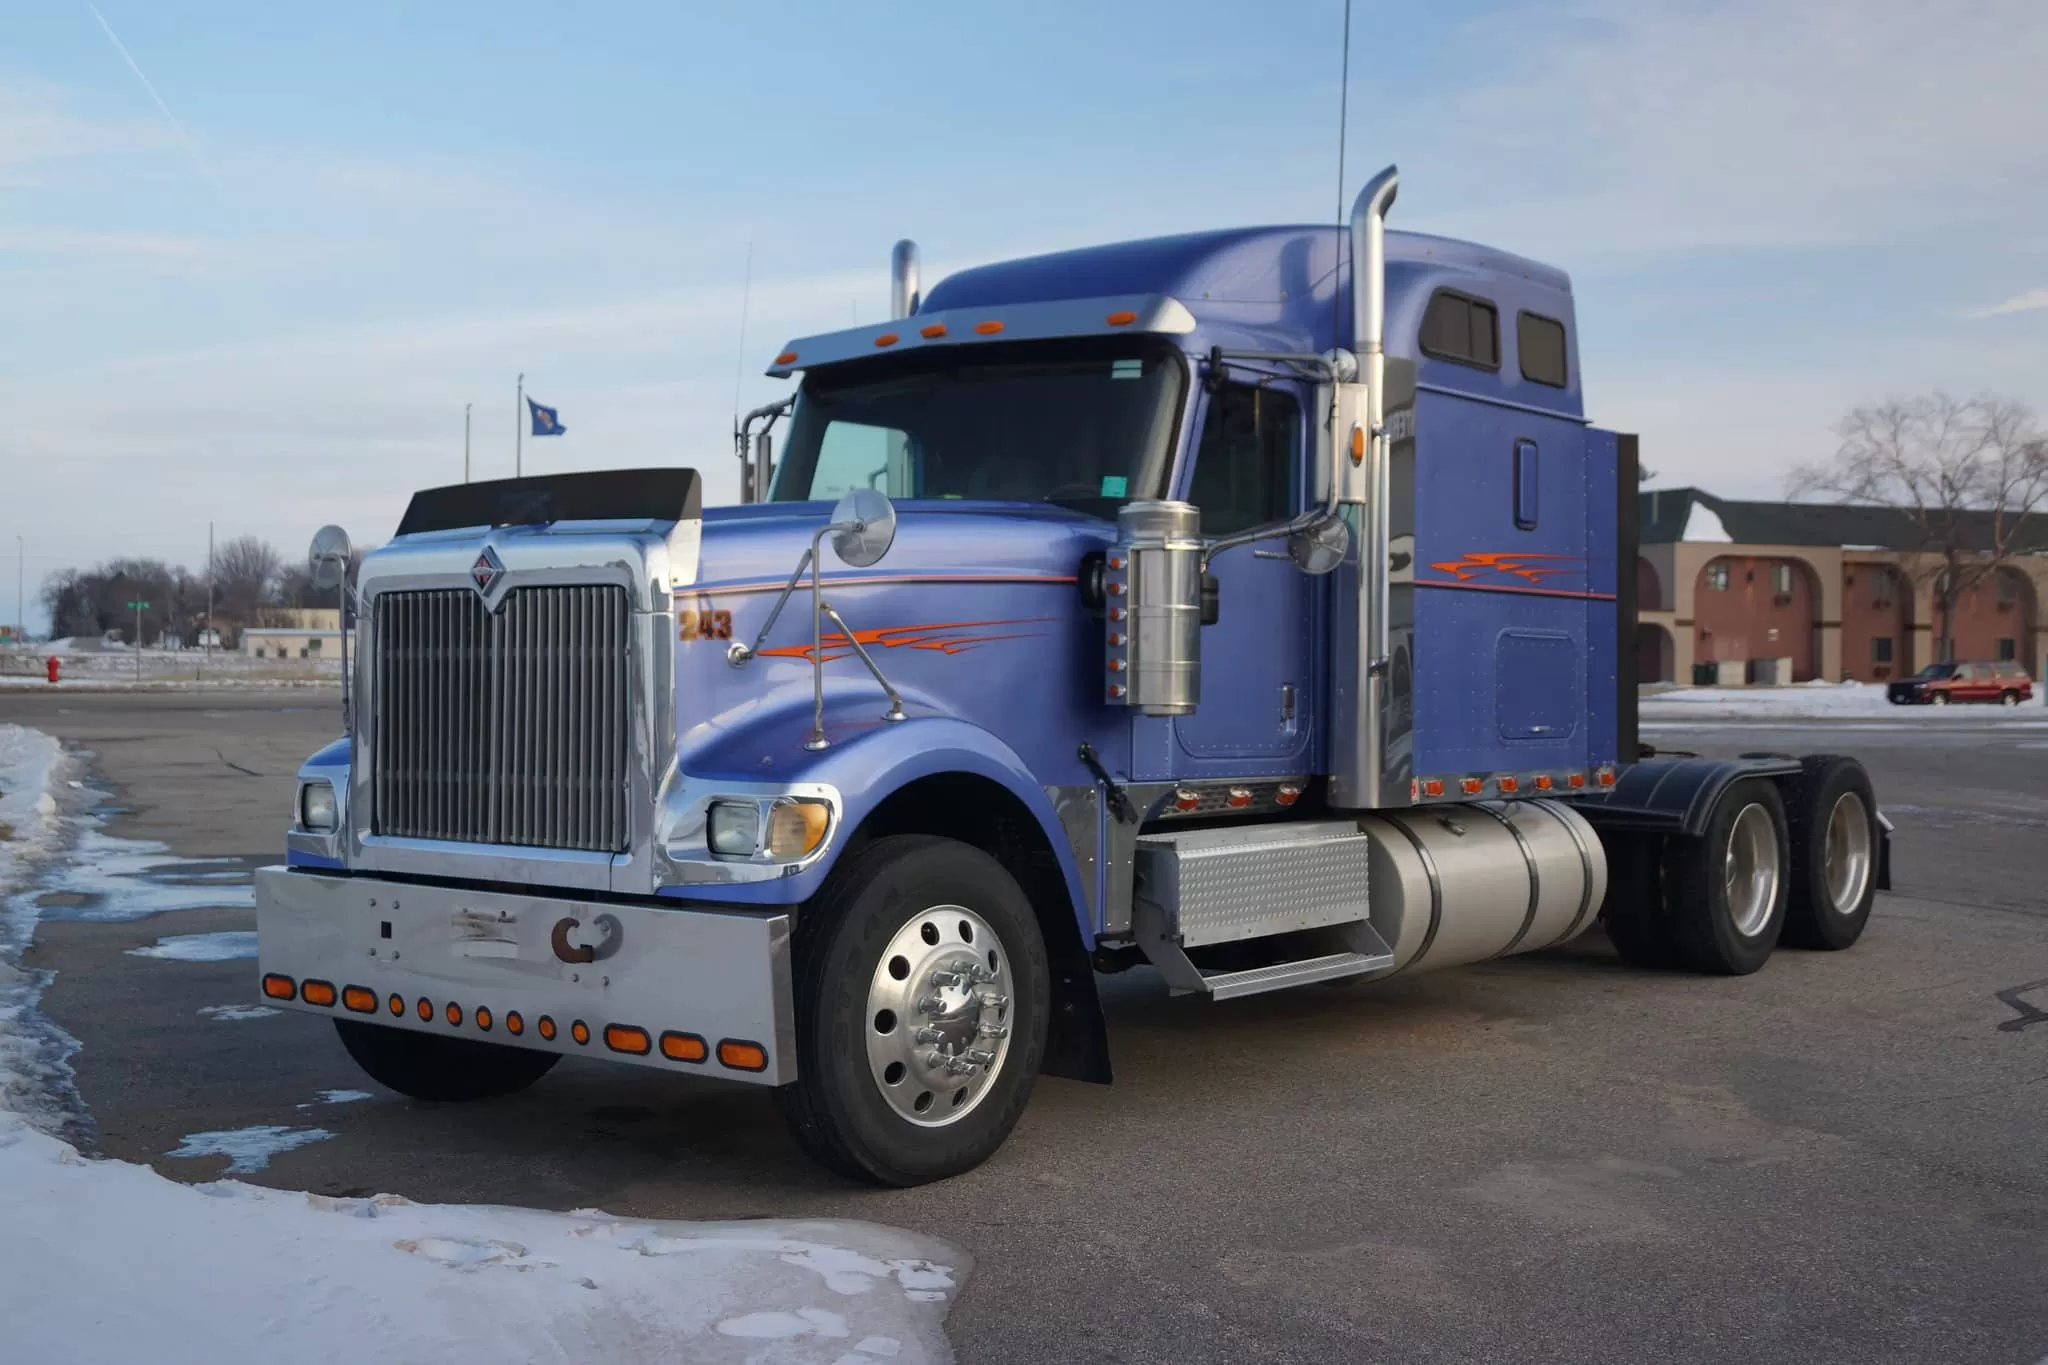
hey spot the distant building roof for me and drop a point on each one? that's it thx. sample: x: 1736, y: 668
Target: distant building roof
x: 296, y: 632
x: 1678, y: 514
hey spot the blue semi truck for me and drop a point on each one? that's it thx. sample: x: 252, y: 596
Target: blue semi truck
x: 1255, y: 605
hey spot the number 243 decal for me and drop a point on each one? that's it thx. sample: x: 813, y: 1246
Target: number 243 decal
x: 704, y: 624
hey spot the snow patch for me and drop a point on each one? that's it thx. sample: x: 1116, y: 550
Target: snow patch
x: 248, y: 1149
x: 344, y: 1096
x: 225, y: 946
x: 1819, y: 699
x: 1703, y: 524
x: 104, y: 1260
x: 229, y: 1014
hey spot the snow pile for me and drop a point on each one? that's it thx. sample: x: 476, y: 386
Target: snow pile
x: 1703, y: 524
x: 107, y: 1260
x: 103, y: 1260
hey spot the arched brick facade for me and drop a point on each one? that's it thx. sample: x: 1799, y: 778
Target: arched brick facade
x: 1877, y: 623
x: 1750, y: 607
x: 1996, y: 619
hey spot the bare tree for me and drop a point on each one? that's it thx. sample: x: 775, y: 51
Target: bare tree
x: 1970, y: 475
x: 243, y: 571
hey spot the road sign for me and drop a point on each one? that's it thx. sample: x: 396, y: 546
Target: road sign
x: 138, y: 606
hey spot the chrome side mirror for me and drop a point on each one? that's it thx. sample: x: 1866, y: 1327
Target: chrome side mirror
x: 863, y: 527
x: 1319, y: 548
x: 327, y: 560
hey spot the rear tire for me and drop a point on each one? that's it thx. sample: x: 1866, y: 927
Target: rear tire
x: 1634, y: 909
x: 1831, y: 816
x: 426, y: 1066
x: 866, y: 1103
x: 1939, y: 699
x: 1725, y: 891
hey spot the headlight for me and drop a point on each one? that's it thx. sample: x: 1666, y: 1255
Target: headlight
x: 316, y: 806
x: 735, y: 828
x: 795, y: 828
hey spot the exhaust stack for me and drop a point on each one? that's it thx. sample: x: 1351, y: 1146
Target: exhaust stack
x: 1358, y: 748
x: 903, y: 292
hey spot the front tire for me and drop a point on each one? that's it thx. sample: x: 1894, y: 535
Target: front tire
x: 1939, y: 699
x: 426, y: 1066
x: 921, y: 1011
x: 1725, y: 891
x: 2008, y: 699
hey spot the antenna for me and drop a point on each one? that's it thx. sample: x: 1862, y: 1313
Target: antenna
x: 1343, y: 121
x: 739, y: 364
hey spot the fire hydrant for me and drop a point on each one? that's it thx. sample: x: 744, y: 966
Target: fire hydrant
x: 52, y: 668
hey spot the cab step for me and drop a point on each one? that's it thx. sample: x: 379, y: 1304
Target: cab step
x: 1279, y: 976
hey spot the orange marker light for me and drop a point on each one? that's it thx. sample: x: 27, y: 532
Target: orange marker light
x: 279, y: 987
x: 1606, y: 777
x: 683, y: 1047
x: 1115, y: 639
x: 515, y: 1023
x: 887, y: 339
x: 1433, y: 786
x: 454, y: 1013
x: 483, y: 1018
x: 1116, y: 561
x: 1288, y: 794
x: 1116, y: 691
x: 626, y: 1038
x: 930, y: 332
x: 547, y: 1028
x: 1509, y: 784
x: 1186, y: 800
x: 1239, y: 798
x: 742, y: 1056
x: 987, y: 329
x: 1470, y: 786
x: 396, y: 1004
x: 316, y: 992
x: 361, y: 999
x: 580, y: 1031
x: 786, y: 358
x: 1122, y: 317
x: 1116, y: 665
x: 1357, y: 444
x: 1543, y: 783
x: 1576, y: 780
x: 425, y: 1010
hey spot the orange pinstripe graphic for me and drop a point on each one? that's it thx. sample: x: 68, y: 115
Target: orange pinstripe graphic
x: 944, y: 638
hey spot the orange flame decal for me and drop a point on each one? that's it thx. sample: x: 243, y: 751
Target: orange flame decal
x: 945, y: 638
x: 1473, y: 564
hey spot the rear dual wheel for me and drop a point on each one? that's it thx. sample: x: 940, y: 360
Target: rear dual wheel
x: 1832, y: 814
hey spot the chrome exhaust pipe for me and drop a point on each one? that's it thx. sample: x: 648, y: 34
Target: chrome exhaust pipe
x: 1358, y: 752
x: 903, y: 293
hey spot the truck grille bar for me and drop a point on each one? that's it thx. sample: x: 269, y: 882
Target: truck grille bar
x: 505, y: 727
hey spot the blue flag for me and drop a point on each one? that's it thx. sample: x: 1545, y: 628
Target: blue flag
x: 546, y: 422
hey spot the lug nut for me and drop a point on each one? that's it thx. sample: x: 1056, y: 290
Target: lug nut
x: 958, y: 980
x: 993, y: 1031
x: 979, y: 1056
x: 931, y: 1004
x: 992, y: 1001
x: 929, y: 1034
x: 981, y: 973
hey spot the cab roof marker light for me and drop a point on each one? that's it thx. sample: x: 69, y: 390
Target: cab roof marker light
x: 1122, y: 317
x: 988, y: 328
x: 887, y: 339
x: 786, y: 358
x: 932, y: 331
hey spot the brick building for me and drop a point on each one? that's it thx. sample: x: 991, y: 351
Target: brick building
x: 1788, y: 591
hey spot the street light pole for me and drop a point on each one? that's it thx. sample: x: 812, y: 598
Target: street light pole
x: 20, y: 590
x: 519, y: 431
x: 465, y: 441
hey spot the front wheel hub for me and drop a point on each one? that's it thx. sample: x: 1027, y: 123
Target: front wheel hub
x: 938, y: 1026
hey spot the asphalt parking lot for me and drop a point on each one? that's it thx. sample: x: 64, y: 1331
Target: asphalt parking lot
x: 1552, y: 1158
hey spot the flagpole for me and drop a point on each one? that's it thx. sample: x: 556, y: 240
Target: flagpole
x: 519, y: 431
x: 465, y: 441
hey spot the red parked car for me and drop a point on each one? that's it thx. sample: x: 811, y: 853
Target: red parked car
x: 2004, y: 682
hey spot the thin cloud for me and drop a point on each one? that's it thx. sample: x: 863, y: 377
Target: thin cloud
x: 2018, y: 303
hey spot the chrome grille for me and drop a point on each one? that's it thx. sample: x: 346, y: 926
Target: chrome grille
x: 505, y: 727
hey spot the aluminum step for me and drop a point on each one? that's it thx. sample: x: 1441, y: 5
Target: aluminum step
x: 1279, y: 976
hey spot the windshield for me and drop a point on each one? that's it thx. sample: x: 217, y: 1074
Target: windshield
x: 1085, y: 423
x: 1937, y: 671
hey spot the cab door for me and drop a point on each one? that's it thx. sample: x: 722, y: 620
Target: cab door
x: 1257, y: 694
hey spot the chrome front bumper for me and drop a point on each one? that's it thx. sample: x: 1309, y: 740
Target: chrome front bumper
x: 626, y: 983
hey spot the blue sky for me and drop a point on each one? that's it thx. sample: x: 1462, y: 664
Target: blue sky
x: 267, y: 306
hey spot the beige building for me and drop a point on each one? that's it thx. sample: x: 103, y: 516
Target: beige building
x: 311, y: 633
x: 1784, y: 592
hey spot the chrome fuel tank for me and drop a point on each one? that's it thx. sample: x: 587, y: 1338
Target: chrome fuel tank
x: 1456, y: 884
